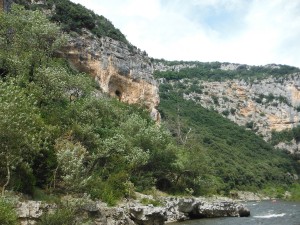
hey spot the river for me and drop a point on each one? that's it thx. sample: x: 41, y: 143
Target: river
x: 262, y: 213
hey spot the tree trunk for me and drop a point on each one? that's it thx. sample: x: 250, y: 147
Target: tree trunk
x: 8, y: 178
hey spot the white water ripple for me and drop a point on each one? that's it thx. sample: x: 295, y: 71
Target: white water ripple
x: 270, y: 216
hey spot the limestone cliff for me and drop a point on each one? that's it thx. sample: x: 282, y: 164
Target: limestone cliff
x: 124, y: 73
x: 264, y: 105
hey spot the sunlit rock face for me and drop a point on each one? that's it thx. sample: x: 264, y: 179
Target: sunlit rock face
x: 271, y: 104
x: 124, y: 73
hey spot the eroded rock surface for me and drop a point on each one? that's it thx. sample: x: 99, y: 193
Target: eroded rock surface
x: 124, y: 73
x: 30, y: 211
x: 130, y: 213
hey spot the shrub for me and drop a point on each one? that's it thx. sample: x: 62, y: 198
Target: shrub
x: 110, y: 190
x: 147, y: 201
x: 232, y: 111
x: 225, y: 112
x: 7, y: 214
x: 295, y: 192
x: 60, y: 217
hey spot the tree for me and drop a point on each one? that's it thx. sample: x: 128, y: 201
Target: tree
x: 27, y: 39
x: 70, y: 157
x: 22, y: 130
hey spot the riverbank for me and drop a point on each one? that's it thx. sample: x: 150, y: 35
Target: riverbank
x: 143, y: 211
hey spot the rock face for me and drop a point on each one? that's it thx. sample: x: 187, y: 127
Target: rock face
x: 269, y: 104
x: 263, y: 105
x: 179, y: 209
x: 124, y: 73
x: 29, y: 211
x: 130, y: 213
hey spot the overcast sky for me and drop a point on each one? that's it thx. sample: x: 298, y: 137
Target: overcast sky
x: 255, y: 32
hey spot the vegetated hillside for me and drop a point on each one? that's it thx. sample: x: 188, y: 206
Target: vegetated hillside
x: 216, y: 71
x: 74, y: 17
x: 230, y: 157
x: 264, y: 99
x: 64, y: 136
x: 59, y: 132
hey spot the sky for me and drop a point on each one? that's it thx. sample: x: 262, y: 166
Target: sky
x: 254, y: 32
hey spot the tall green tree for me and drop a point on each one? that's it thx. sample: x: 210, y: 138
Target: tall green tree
x: 22, y: 130
x: 27, y: 39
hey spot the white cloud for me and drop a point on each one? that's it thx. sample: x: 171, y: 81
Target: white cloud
x: 244, y: 31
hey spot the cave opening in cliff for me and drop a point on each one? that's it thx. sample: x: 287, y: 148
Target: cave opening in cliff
x: 118, y: 94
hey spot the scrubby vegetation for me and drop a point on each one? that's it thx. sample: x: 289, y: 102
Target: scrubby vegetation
x: 285, y: 135
x: 74, y: 17
x: 212, y: 71
x: 224, y: 156
x: 60, y: 217
x: 7, y: 214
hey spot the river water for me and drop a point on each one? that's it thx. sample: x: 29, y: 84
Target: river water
x: 262, y: 213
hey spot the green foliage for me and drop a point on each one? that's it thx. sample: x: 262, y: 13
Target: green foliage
x: 212, y: 71
x: 195, y: 88
x: 27, y: 40
x: 274, y: 191
x: 223, y: 156
x: 8, y: 215
x: 232, y: 111
x: 250, y: 125
x: 68, y: 140
x: 225, y: 112
x: 75, y: 17
x: 215, y: 99
x: 63, y: 216
x: 270, y: 98
x: 285, y: 135
x: 70, y: 158
x: 110, y: 190
x: 147, y: 201
x: 295, y: 192
x: 24, y: 133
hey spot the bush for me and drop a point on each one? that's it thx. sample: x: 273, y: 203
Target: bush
x: 7, y: 214
x: 147, y: 201
x: 225, y: 112
x: 110, y: 190
x: 295, y: 192
x: 60, y: 217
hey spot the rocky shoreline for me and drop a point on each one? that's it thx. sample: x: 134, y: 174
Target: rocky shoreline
x: 171, y: 209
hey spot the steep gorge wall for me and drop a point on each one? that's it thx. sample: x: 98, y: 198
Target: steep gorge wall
x: 271, y: 104
x: 264, y: 106
x: 124, y: 73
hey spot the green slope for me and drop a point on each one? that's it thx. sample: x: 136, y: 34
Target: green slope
x: 231, y: 156
x: 74, y: 17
